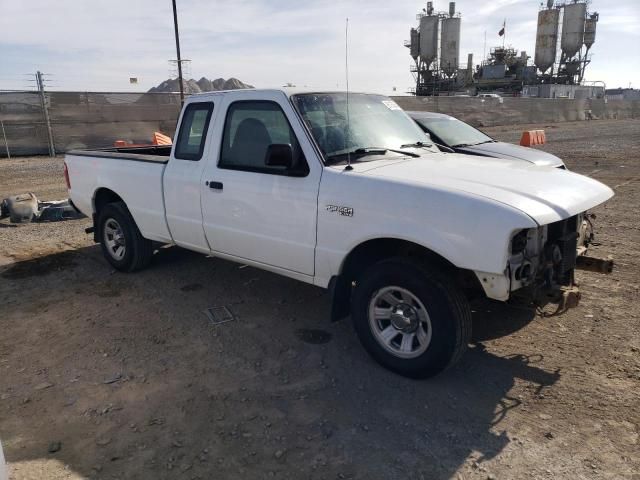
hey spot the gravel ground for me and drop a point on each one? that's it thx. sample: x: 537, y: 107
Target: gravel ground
x: 107, y: 375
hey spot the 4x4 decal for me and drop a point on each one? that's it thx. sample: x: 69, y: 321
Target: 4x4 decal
x: 344, y: 211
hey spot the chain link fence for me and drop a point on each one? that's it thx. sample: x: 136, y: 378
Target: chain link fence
x: 82, y: 119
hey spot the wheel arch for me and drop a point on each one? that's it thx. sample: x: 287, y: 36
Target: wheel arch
x: 103, y: 196
x: 374, y: 250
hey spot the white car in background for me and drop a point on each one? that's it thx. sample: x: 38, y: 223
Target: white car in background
x: 451, y: 134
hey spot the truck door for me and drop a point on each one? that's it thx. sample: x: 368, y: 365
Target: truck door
x: 256, y: 211
x: 181, y: 181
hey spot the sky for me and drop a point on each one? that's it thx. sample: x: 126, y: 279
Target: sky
x: 97, y: 45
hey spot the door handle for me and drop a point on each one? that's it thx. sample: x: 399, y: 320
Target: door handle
x: 215, y: 185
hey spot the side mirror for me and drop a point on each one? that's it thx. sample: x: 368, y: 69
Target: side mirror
x: 279, y: 155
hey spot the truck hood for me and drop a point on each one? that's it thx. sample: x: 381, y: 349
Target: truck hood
x: 546, y: 194
x: 510, y: 151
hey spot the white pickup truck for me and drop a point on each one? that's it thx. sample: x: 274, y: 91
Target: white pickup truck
x: 345, y: 192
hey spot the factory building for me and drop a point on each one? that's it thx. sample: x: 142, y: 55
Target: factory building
x: 559, y: 90
x: 435, y: 49
x: 566, y: 31
x: 566, y: 65
x: 622, y: 94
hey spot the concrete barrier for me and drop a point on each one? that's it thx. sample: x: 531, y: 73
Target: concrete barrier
x: 518, y: 110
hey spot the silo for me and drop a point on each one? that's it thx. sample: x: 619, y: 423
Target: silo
x: 573, y: 25
x: 546, y: 38
x: 590, y: 30
x: 429, y: 25
x: 450, y: 49
x: 414, y: 46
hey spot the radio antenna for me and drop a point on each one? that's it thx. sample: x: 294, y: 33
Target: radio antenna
x: 346, y: 71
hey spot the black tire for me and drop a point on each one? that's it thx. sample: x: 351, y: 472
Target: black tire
x: 138, y: 250
x: 448, y: 313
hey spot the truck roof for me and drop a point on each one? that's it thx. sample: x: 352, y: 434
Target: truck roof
x: 288, y: 91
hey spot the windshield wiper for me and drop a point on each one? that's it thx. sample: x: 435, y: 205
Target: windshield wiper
x: 462, y: 145
x: 417, y: 144
x: 370, y: 151
x: 404, y: 152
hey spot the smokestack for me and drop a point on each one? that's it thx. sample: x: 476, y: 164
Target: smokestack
x: 452, y: 9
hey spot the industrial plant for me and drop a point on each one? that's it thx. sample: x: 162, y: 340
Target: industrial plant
x: 565, y: 34
x: 435, y: 49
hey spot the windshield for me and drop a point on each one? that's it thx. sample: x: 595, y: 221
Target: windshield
x: 453, y: 132
x: 375, y: 121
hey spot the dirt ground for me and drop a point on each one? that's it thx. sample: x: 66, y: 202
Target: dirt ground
x: 114, y: 376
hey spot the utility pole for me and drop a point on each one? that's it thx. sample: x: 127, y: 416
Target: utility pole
x: 45, y: 111
x: 175, y: 26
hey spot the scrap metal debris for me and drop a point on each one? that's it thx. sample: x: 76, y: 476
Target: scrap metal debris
x: 219, y: 315
x: 43, y: 386
x: 19, y: 208
x: 116, y: 378
x: 54, y: 447
x: 26, y: 208
x: 592, y: 264
x: 56, y: 211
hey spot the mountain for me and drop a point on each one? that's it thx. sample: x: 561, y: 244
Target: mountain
x: 202, y: 85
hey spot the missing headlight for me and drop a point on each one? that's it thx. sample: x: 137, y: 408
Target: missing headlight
x: 519, y: 242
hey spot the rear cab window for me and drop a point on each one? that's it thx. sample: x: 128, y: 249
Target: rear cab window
x: 193, y: 131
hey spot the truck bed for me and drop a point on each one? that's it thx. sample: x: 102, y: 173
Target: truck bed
x: 134, y: 174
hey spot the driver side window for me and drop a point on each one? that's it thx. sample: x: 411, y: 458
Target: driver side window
x: 250, y: 127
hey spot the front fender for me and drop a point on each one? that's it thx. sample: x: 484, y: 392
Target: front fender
x: 469, y: 231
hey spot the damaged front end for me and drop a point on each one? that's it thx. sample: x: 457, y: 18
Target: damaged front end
x: 543, y: 261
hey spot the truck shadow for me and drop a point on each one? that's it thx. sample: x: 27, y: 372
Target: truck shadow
x: 143, y: 386
x: 492, y: 319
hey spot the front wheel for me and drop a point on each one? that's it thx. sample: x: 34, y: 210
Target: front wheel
x: 123, y: 245
x: 411, y: 319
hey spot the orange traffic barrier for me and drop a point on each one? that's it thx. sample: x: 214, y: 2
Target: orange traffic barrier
x: 542, y: 137
x: 532, y: 137
x: 160, y: 139
x: 527, y: 139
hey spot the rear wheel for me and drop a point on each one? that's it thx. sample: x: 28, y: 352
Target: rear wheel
x: 122, y: 244
x: 411, y: 319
